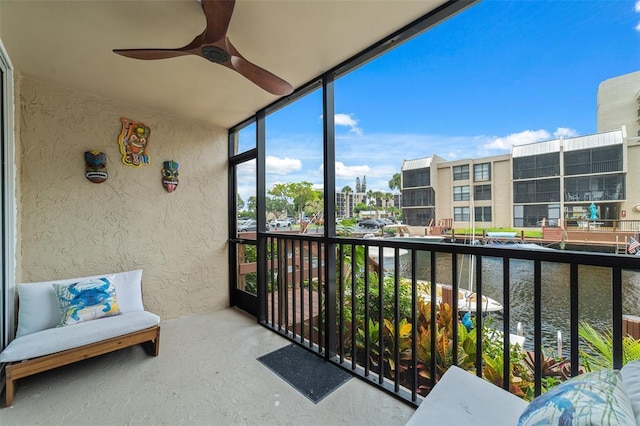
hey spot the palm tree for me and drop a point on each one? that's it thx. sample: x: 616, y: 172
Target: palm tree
x: 395, y: 182
x: 346, y: 191
x: 369, y: 197
x: 387, y: 197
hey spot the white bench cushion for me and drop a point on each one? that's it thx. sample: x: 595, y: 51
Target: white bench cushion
x: 460, y: 398
x: 38, y: 304
x: 59, y: 339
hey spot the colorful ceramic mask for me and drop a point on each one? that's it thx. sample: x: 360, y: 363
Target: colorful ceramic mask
x: 133, y: 141
x: 170, y: 176
x: 96, y: 166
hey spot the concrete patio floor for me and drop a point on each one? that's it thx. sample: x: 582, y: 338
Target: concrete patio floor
x: 207, y: 374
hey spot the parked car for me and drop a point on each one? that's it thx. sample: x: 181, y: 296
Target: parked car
x: 370, y: 223
x: 248, y: 226
x: 279, y: 224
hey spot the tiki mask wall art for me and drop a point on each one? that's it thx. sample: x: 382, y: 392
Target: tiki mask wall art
x: 96, y: 166
x: 170, y: 175
x: 134, y: 141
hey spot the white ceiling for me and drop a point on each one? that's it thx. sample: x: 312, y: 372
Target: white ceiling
x: 70, y: 43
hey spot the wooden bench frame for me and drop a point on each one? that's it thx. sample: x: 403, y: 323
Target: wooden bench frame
x: 20, y: 369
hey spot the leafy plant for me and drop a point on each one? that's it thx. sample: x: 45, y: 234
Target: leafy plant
x: 600, y: 348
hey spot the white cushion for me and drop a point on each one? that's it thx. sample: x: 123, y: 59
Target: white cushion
x: 631, y: 382
x: 38, y: 305
x: 62, y: 338
x: 461, y: 398
x: 595, y: 398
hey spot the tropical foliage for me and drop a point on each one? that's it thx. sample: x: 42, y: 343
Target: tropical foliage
x: 599, y: 344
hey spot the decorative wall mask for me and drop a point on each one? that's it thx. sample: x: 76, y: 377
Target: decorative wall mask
x: 134, y: 141
x: 170, y: 175
x: 96, y: 166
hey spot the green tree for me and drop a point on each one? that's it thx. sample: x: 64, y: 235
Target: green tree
x: 387, y: 197
x: 358, y: 186
x: 346, y: 191
x: 278, y: 207
x: 359, y: 207
x: 239, y: 202
x: 395, y: 182
x: 296, y: 195
x: 378, y: 196
x: 369, y: 197
x: 252, y: 206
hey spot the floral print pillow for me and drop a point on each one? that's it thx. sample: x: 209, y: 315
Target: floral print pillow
x: 596, y: 398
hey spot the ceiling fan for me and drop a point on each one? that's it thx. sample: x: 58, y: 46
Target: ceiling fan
x: 214, y: 45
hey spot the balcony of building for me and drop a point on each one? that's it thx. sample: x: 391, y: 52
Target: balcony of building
x: 364, y: 305
x: 207, y: 374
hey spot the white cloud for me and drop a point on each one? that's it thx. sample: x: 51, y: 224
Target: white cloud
x: 565, y: 132
x: 505, y: 143
x: 348, y: 121
x: 637, y: 27
x: 524, y: 137
x: 345, y: 172
x: 638, y: 6
x: 282, y: 166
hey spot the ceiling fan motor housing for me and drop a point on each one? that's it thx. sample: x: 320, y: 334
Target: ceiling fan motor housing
x: 215, y: 54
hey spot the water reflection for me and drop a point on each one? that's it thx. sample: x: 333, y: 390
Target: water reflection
x: 594, y: 294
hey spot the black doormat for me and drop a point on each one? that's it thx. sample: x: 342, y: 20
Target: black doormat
x: 308, y: 373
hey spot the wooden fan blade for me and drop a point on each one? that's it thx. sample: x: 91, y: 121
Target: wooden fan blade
x: 218, y: 14
x: 149, y: 54
x: 261, y: 77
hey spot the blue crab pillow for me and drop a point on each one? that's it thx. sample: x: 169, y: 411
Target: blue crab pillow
x: 596, y: 398
x: 86, y: 300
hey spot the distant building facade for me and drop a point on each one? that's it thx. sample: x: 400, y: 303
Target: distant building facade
x: 555, y: 181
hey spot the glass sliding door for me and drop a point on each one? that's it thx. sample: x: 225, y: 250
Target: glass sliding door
x: 243, y: 223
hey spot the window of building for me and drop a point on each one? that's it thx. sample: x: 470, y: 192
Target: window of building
x: 533, y: 166
x: 532, y: 215
x: 461, y: 214
x: 416, y: 178
x: 418, y: 217
x: 461, y: 193
x: 481, y: 172
x: 482, y: 214
x: 461, y: 172
x: 595, y: 188
x: 597, y: 160
x: 418, y: 197
x: 482, y: 192
x: 536, y: 191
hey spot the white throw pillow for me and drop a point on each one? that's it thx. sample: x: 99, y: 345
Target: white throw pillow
x: 38, y: 304
x: 631, y: 382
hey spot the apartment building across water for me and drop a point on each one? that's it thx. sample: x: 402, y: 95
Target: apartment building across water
x: 556, y: 181
x: 562, y: 181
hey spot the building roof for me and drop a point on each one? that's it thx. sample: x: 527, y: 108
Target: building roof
x: 535, y: 148
x: 418, y: 163
x: 571, y: 144
x: 594, y: 141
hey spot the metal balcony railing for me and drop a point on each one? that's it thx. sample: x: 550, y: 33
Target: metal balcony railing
x: 366, y: 306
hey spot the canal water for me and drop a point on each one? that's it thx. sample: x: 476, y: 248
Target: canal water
x: 594, y: 292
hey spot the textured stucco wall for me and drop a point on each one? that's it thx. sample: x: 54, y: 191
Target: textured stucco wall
x: 72, y: 227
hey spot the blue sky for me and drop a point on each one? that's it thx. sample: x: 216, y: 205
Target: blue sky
x: 500, y: 73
